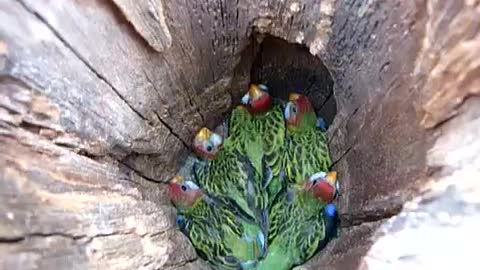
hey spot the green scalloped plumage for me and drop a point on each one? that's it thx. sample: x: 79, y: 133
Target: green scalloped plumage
x: 232, y: 178
x: 271, y: 127
x: 243, y: 136
x: 306, y: 153
x: 297, y: 229
x: 221, y: 237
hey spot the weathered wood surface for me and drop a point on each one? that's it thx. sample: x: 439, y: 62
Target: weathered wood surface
x: 448, y: 211
x: 148, y: 19
x: 63, y: 210
x: 99, y: 100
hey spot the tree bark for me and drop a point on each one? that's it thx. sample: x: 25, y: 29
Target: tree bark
x: 99, y: 101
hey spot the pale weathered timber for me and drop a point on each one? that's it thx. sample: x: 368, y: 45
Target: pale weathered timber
x: 63, y: 210
x: 99, y: 100
x: 447, y: 212
x: 148, y: 19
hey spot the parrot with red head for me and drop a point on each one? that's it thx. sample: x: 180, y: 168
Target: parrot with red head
x: 270, y: 126
x: 306, y: 150
x: 231, y: 176
x: 301, y: 222
x: 222, y: 237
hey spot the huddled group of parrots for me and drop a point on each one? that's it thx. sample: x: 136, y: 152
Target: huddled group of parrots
x: 261, y: 198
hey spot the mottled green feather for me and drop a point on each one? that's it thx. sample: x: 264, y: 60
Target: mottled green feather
x: 220, y: 236
x: 297, y: 229
x: 306, y: 153
x: 244, y: 137
x: 231, y: 178
x: 271, y: 127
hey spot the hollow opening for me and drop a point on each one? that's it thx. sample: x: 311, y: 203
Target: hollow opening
x: 76, y: 120
x: 363, y: 148
x: 287, y: 67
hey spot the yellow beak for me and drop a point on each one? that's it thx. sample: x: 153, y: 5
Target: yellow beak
x: 177, y: 179
x: 254, y: 91
x: 204, y: 134
x: 332, y: 177
x: 293, y: 96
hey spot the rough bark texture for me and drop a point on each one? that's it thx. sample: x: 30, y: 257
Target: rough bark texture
x: 99, y: 100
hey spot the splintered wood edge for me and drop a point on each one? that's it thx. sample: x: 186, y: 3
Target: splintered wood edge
x: 148, y: 19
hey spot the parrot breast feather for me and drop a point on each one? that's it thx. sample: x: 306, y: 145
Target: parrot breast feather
x: 307, y: 153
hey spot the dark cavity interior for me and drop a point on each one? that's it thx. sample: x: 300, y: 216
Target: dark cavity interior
x: 287, y: 67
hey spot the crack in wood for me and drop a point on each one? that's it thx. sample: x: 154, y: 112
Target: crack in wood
x: 103, y: 79
x: 82, y: 59
x: 149, y: 23
x: 342, y: 156
x: 453, y: 113
x: 16, y: 239
x: 158, y: 115
x: 331, y: 94
x: 369, y: 216
x: 80, y: 237
x: 170, y: 129
x: 343, y: 124
x: 196, y: 107
x: 139, y: 173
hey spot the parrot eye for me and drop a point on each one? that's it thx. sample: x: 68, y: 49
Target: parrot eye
x: 314, y: 182
x: 184, y: 188
x: 294, y: 109
x: 209, y: 148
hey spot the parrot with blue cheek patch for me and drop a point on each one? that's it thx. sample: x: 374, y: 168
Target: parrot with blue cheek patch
x: 270, y: 126
x: 219, y: 235
x: 306, y: 144
x: 301, y: 222
x: 230, y: 176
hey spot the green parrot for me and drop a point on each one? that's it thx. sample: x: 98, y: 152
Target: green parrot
x: 242, y: 136
x: 300, y: 223
x: 218, y: 234
x: 230, y: 176
x: 269, y: 123
x: 306, y: 145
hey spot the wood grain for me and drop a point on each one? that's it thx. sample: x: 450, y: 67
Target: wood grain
x: 99, y: 101
x: 148, y: 19
x: 63, y: 210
